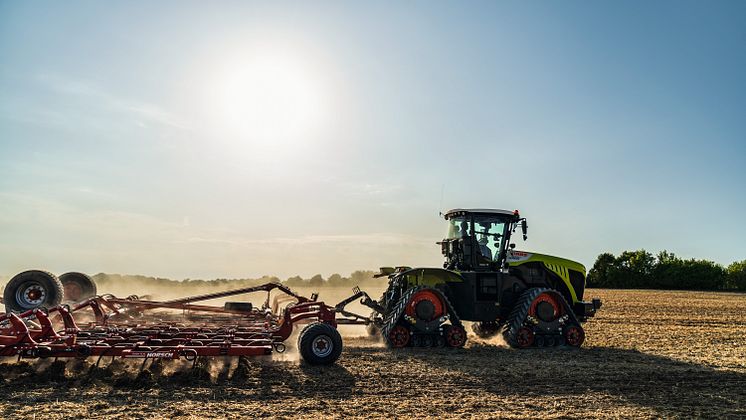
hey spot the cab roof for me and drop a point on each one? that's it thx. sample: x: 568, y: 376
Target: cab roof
x: 452, y: 212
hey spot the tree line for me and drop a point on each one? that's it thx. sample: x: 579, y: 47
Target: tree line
x: 642, y: 270
x: 356, y: 278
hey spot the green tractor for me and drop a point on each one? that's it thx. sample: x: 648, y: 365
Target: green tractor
x: 534, y: 300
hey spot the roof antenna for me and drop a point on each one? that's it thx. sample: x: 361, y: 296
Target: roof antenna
x: 440, y: 206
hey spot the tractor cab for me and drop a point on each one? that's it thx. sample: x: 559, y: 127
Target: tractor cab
x: 478, y: 239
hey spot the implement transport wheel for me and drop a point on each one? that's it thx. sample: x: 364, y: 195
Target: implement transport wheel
x: 455, y: 336
x: 320, y: 344
x: 77, y: 286
x: 524, y: 338
x: 32, y: 289
x: 399, y: 336
x: 574, y: 336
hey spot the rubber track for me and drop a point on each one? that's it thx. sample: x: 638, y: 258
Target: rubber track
x: 394, y: 316
x: 520, y: 311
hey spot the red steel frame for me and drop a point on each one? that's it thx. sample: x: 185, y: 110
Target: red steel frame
x: 132, y: 328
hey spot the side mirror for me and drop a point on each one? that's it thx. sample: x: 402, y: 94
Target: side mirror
x: 524, y: 228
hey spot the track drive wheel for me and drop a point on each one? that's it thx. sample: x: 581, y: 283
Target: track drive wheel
x: 320, y: 344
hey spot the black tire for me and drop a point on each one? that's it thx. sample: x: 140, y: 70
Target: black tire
x: 32, y: 289
x: 320, y: 344
x: 77, y: 286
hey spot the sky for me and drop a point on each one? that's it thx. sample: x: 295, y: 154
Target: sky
x: 236, y: 139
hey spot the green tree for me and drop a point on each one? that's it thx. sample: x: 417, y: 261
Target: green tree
x: 635, y: 269
x: 294, y: 281
x: 599, y: 274
x: 737, y: 275
x: 316, y: 281
x: 335, y: 280
x: 361, y: 276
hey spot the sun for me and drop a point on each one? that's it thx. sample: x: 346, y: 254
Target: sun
x: 269, y: 99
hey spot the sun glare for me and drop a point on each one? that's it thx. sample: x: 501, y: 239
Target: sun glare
x: 269, y: 100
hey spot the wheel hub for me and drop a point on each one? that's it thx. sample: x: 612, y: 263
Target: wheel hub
x: 31, y: 295
x: 545, y: 311
x: 425, y: 310
x: 322, y: 346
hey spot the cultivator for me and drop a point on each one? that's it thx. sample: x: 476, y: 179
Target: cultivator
x: 104, y: 325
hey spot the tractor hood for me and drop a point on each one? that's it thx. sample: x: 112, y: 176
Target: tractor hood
x: 571, y: 272
x: 516, y: 257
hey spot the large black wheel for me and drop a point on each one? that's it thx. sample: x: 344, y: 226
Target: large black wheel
x: 320, y: 344
x: 77, y: 286
x: 32, y: 289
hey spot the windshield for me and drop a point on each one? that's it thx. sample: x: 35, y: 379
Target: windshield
x: 458, y: 227
x: 489, y: 231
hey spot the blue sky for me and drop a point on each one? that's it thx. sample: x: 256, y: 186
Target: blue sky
x: 238, y: 139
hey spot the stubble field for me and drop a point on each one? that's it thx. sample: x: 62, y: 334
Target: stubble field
x: 647, y: 354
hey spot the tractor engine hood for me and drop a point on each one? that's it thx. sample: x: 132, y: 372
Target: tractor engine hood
x: 517, y: 257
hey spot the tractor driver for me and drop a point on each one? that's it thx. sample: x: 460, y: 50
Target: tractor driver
x: 484, y: 249
x: 464, y: 229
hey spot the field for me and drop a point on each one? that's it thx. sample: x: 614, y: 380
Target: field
x: 647, y: 354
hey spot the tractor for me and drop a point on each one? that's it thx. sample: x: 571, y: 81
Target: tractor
x: 534, y: 300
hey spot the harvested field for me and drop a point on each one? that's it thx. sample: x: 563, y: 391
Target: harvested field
x: 647, y: 354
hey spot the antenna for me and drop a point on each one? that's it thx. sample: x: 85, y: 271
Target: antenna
x: 442, y: 192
